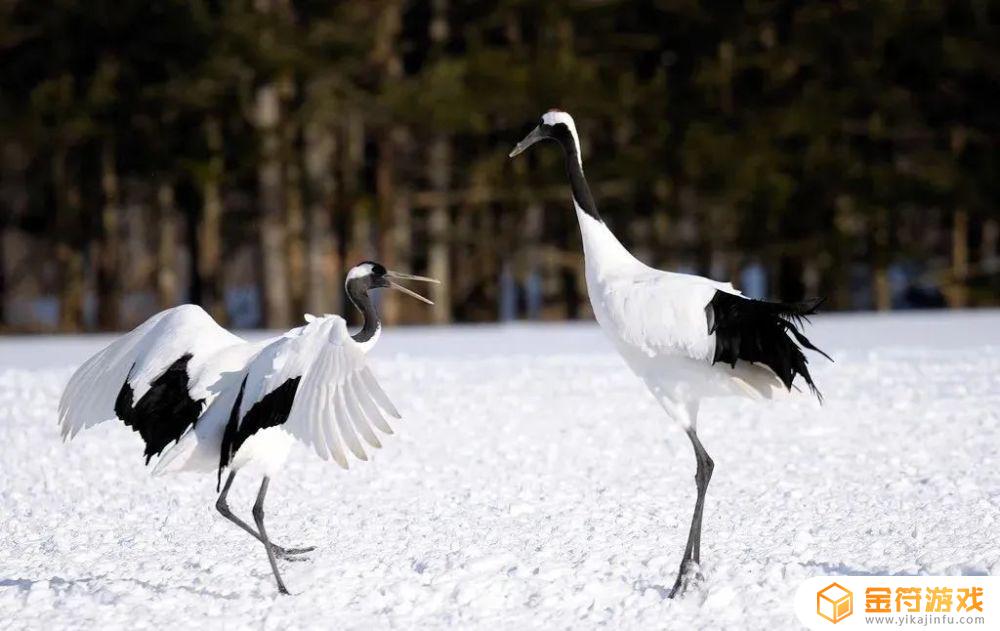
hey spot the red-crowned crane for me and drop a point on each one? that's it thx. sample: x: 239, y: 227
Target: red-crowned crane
x: 211, y: 401
x: 687, y: 337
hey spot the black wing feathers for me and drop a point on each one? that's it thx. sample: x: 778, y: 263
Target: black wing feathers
x: 758, y: 331
x: 271, y: 410
x: 165, y: 412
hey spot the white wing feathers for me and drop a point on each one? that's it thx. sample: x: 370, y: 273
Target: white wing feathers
x: 377, y: 392
x: 660, y: 313
x: 337, y: 402
x: 139, y: 356
x: 336, y: 407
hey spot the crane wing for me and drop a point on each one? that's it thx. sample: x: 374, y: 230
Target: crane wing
x: 147, y: 378
x: 662, y: 314
x: 316, y: 384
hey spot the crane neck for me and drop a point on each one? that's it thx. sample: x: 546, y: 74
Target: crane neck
x: 372, y: 326
x: 603, y: 251
x: 582, y: 196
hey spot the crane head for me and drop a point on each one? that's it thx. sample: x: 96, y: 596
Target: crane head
x: 553, y: 125
x: 371, y: 275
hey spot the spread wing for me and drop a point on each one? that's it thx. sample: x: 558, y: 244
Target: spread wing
x: 316, y: 384
x: 147, y: 379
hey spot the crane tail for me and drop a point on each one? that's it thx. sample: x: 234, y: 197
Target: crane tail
x: 762, y: 332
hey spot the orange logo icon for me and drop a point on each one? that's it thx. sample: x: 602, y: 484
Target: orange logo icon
x: 834, y: 602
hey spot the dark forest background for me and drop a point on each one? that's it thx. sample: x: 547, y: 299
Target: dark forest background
x: 242, y: 155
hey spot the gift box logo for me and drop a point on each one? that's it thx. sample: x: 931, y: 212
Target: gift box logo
x: 834, y: 602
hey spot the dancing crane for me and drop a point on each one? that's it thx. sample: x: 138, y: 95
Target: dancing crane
x: 210, y: 401
x: 687, y: 337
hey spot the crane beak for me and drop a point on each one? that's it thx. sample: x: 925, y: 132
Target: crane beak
x: 535, y: 135
x: 401, y: 276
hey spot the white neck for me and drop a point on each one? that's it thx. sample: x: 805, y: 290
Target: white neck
x: 602, y: 251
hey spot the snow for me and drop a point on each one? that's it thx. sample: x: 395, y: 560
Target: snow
x: 533, y: 484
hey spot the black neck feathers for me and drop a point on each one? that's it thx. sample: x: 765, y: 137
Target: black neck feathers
x: 362, y: 300
x: 577, y: 181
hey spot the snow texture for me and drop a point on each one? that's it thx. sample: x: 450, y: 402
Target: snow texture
x: 533, y: 484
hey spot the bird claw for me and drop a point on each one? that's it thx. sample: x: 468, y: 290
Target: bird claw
x: 689, y: 579
x: 292, y: 554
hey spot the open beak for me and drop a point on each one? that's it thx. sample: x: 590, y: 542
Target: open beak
x: 530, y: 139
x: 401, y: 276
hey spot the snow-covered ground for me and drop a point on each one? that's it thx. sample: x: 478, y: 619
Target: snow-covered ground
x: 533, y: 484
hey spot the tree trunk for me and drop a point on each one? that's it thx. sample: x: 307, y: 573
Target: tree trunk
x: 14, y: 199
x: 958, y: 292
x: 662, y: 223
x: 532, y: 269
x: 385, y: 194
x: 882, y: 290
x: 275, y: 294
x: 358, y: 221
x: 273, y: 235
x: 68, y: 254
x: 323, y: 259
x: 880, y: 262
x: 360, y: 248
x: 439, y: 165
x: 989, y: 250
x: 210, y: 225
x: 490, y: 236
x: 108, y: 280
x: 385, y: 57
x: 399, y: 238
x: 844, y: 237
x: 167, y: 283
x: 296, y: 223
x: 3, y: 271
x: 439, y: 174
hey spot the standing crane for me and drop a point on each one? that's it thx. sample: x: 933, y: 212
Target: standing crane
x: 687, y: 337
x: 210, y: 401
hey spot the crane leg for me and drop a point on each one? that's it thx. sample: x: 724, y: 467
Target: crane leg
x: 282, y: 553
x: 689, y: 571
x: 258, y: 516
